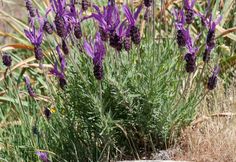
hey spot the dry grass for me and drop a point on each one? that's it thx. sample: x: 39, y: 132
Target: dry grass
x: 212, y: 138
x: 211, y: 141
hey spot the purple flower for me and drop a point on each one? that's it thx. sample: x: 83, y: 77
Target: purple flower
x: 189, y: 12
x: 190, y: 57
x: 127, y: 43
x: 211, y: 30
x: 108, y: 20
x: 97, y: 52
x: 61, y: 58
x: 182, y: 33
x: 116, y: 41
x: 111, y: 2
x: 78, y: 31
x: 204, y: 16
x: 212, y: 81
x: 61, y: 18
x: 147, y: 3
x: 132, y: 18
x: 6, y: 59
x: 47, y: 27
x: 116, y: 37
x: 36, y: 37
x: 59, y: 75
x: 206, y: 54
x: 30, y: 8
x: 43, y: 156
x: 28, y: 86
x: 76, y: 19
x: 190, y: 65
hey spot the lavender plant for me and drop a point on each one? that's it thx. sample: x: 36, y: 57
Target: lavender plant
x: 110, y: 103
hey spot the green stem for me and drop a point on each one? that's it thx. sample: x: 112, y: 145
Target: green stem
x: 184, y: 92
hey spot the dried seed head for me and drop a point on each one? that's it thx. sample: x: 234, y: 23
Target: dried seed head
x: 6, y: 59
x: 47, y: 113
x: 211, y: 38
x: 135, y: 35
x: 47, y: 27
x: 28, y: 87
x: 62, y: 82
x: 112, y: 2
x: 189, y: 13
x: 78, y: 31
x: 60, y: 26
x: 181, y: 38
x: 38, y: 52
x: 127, y: 43
x: 35, y: 130
x: 85, y: 5
x: 116, y: 41
x: 104, y: 34
x: 31, y: 10
x: 98, y: 71
x: 190, y: 67
x: 65, y: 48
x: 147, y: 3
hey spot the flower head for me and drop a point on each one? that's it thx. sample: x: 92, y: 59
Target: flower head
x: 36, y: 36
x: 147, y: 3
x: 76, y: 18
x: 46, y: 25
x: 117, y: 36
x: 211, y: 30
x: 190, y: 57
x: 97, y: 52
x: 43, y: 156
x: 28, y: 86
x: 59, y: 74
x: 206, y: 54
x: 132, y: 19
x: 108, y: 20
x: 62, y: 17
x: 6, y: 59
x: 212, y: 81
x: 30, y: 8
x: 182, y: 33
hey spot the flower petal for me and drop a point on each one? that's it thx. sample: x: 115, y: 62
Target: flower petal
x: 138, y: 11
x: 128, y: 14
x: 88, y: 49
